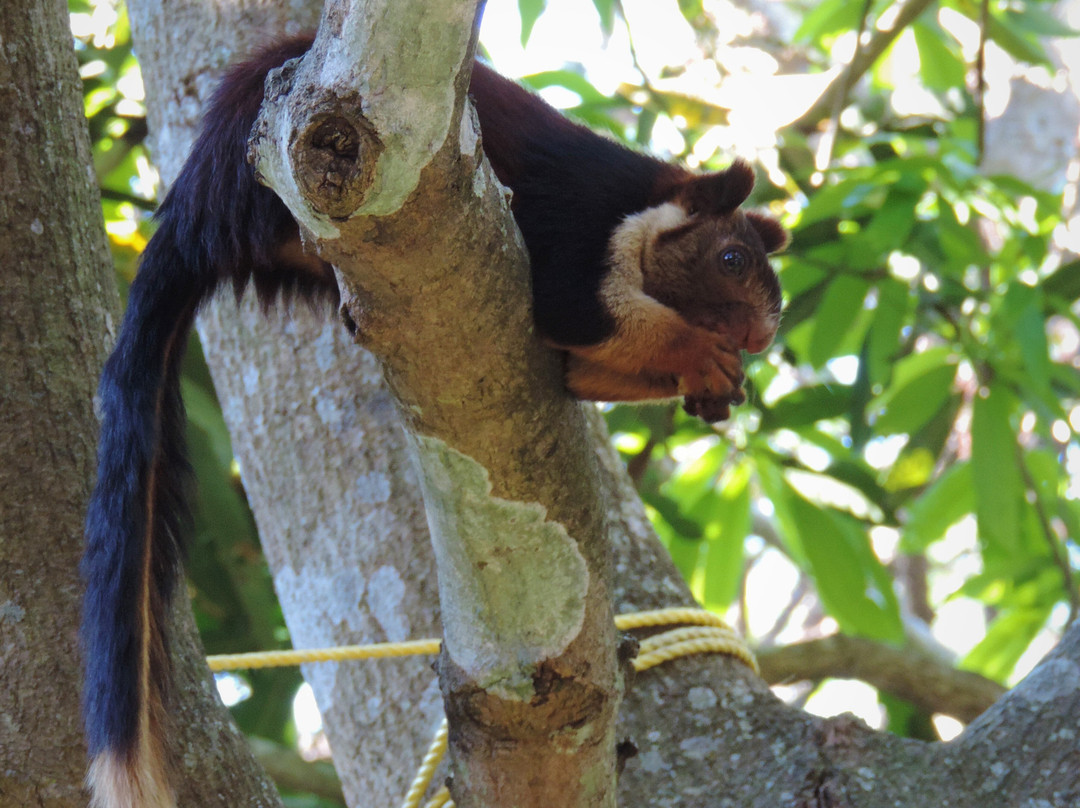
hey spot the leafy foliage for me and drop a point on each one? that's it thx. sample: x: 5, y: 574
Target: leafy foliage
x: 917, y: 395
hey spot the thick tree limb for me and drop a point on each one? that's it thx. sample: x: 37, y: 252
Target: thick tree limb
x: 528, y: 670
x: 910, y: 672
x: 320, y: 446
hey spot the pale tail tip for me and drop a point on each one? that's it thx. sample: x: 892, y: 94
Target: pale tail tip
x: 120, y: 781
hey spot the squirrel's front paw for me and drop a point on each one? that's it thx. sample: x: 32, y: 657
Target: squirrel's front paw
x: 713, y: 408
x: 712, y: 367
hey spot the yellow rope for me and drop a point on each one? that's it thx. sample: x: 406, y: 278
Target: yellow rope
x: 669, y: 617
x: 381, y: 650
x: 686, y: 641
x: 441, y: 799
x: 707, y: 634
x: 280, y: 659
x: 427, y: 768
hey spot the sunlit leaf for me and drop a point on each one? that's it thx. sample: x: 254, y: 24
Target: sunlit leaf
x: 921, y: 385
x: 697, y: 480
x: 841, y: 304
x: 946, y: 502
x: 852, y: 584
x: 1032, y: 19
x: 1006, y: 640
x: 829, y: 17
x: 1030, y: 330
x: 575, y: 82
x: 691, y: 9
x: 911, y: 470
x: 940, y: 67
x: 891, y: 225
x: 669, y: 509
x: 530, y: 11
x: 1024, y: 48
x: 726, y: 534
x: 998, y: 485
x: 894, y: 304
x: 606, y: 10
x: 806, y: 406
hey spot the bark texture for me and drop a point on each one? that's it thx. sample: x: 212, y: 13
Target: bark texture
x: 56, y: 276
x: 60, y: 312
x: 528, y: 670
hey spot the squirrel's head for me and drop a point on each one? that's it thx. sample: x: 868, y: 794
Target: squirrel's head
x: 699, y: 253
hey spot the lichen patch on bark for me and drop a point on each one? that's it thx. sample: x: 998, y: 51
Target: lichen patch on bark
x: 512, y: 583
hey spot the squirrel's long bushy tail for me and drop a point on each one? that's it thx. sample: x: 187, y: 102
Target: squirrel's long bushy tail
x: 216, y: 225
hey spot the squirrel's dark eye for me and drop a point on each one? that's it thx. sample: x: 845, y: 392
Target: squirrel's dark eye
x: 734, y: 260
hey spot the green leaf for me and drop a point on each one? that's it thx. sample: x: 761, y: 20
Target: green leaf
x: 1044, y: 469
x: 807, y: 405
x: 922, y: 383
x: 530, y: 11
x: 1006, y: 640
x: 838, y: 309
x: 691, y: 9
x: 905, y: 719
x: 1024, y: 48
x: 999, y: 488
x: 669, y: 510
x: 829, y: 17
x: 204, y: 412
x: 912, y: 469
x: 942, y: 505
x: 685, y: 553
x: 940, y: 67
x: 727, y: 534
x: 575, y: 82
x: 889, y: 227
x: 845, y: 197
x: 771, y: 476
x: 606, y: 10
x: 894, y: 304
x: 1034, y: 20
x: 1064, y: 282
x: 961, y: 245
x: 853, y: 586
x: 1030, y: 331
x: 693, y: 484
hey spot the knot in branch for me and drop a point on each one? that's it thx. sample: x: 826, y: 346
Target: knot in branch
x: 334, y: 157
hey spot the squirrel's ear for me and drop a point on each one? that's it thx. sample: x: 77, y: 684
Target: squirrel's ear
x: 773, y: 235
x: 718, y: 193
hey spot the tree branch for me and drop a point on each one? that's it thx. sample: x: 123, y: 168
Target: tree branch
x: 864, y: 59
x: 911, y: 672
x: 290, y: 771
x: 528, y: 669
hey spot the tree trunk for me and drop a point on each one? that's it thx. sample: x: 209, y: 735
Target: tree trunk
x: 60, y: 313
x: 57, y: 273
